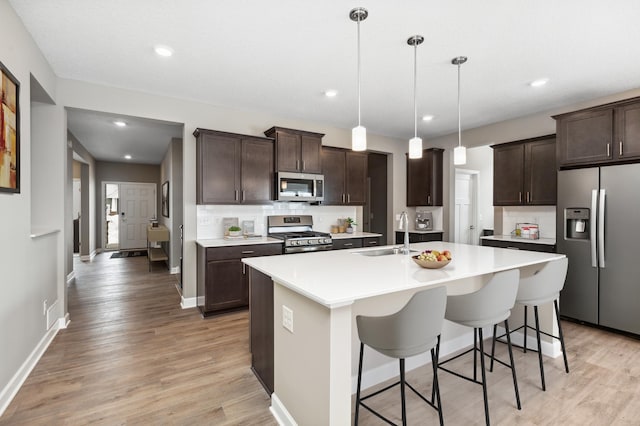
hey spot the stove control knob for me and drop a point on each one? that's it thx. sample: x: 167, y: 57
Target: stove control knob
x: 293, y: 243
x: 327, y: 241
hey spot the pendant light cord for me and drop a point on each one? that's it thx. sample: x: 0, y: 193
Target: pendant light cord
x: 358, y: 70
x: 459, y: 125
x: 415, y: 88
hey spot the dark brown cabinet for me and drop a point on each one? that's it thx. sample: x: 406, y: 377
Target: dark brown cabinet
x: 345, y: 176
x: 222, y: 283
x: 296, y: 150
x: 424, y: 179
x: 418, y: 237
x: 347, y: 243
x: 233, y: 169
x: 524, y: 172
x: 519, y: 245
x: 605, y: 134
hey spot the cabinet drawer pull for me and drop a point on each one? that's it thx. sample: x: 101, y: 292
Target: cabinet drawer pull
x: 620, y: 148
x: 348, y: 244
x: 373, y: 243
x: 248, y: 251
x: 513, y: 248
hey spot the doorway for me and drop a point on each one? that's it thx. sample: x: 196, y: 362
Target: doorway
x: 466, y: 207
x: 127, y: 209
x: 374, y: 213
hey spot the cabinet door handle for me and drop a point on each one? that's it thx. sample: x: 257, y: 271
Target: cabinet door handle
x: 519, y: 197
x: 303, y: 168
x: 348, y: 198
x: 608, y: 150
x: 297, y: 164
x: 528, y: 197
x: 235, y: 195
x: 248, y: 251
x: 343, y: 198
x: 428, y: 199
x: 620, y: 148
x: 242, y: 195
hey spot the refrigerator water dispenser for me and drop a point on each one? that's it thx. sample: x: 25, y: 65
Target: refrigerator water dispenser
x: 577, y: 223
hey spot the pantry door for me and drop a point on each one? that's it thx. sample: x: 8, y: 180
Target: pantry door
x: 465, y: 207
x: 138, y: 204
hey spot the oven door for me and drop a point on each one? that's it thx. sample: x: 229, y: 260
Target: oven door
x: 299, y: 187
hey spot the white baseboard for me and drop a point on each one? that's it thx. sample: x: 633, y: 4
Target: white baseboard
x: 188, y: 302
x: 551, y: 349
x: 11, y: 389
x: 280, y: 412
x: 89, y: 257
x: 70, y: 277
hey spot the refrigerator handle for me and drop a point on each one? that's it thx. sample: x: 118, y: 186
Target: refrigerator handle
x: 601, y: 214
x: 592, y: 230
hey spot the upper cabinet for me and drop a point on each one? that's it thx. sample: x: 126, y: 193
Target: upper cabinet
x: 424, y: 179
x: 345, y: 176
x: 297, y: 150
x: 524, y: 172
x: 233, y: 168
x: 604, y: 134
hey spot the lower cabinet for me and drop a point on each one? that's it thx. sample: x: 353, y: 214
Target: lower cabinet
x: 261, y: 327
x: 418, y: 237
x: 517, y: 245
x: 348, y: 243
x: 223, y: 284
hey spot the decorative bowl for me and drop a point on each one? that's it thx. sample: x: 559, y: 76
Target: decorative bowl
x: 430, y: 264
x: 235, y: 233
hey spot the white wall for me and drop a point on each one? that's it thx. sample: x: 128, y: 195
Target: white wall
x: 32, y: 268
x: 481, y: 159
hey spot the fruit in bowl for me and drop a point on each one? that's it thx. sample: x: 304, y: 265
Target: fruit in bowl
x: 433, y: 259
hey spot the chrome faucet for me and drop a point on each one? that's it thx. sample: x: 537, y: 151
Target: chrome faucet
x: 404, y: 221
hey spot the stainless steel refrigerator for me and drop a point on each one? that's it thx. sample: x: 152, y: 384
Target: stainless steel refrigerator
x: 598, y: 228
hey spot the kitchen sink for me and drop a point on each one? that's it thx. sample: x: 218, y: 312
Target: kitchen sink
x: 383, y: 252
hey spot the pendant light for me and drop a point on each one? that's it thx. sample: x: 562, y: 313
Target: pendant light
x: 415, y: 143
x: 358, y: 133
x: 459, y: 152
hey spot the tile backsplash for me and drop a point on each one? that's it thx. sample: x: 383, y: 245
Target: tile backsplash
x: 210, y: 217
x: 544, y: 216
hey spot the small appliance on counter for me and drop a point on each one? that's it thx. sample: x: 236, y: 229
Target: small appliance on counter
x: 529, y: 231
x: 424, y: 221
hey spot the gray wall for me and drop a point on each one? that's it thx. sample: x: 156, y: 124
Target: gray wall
x: 122, y: 172
x: 171, y: 171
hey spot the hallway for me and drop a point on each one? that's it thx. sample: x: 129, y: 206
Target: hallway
x: 131, y: 355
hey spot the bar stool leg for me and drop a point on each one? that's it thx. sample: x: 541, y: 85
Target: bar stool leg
x: 513, y: 367
x: 525, y: 329
x: 493, y: 346
x: 475, y: 353
x: 355, y: 420
x: 484, y: 378
x: 436, y: 387
x: 564, y: 353
x: 404, y: 406
x: 535, y: 311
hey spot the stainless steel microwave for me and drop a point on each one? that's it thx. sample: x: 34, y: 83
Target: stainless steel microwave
x: 299, y: 187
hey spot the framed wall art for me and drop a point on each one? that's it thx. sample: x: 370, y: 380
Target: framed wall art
x: 9, y: 131
x: 165, y: 199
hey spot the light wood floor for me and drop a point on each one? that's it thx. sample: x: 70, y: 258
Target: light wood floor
x: 132, y: 356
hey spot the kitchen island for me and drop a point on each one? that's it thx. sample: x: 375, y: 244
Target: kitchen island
x: 316, y: 297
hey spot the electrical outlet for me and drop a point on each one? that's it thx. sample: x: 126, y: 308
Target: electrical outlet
x: 44, y: 307
x: 397, y: 217
x: 287, y: 318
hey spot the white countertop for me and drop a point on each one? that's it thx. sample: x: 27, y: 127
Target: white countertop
x: 358, y: 234
x: 421, y: 231
x: 221, y: 242
x: 510, y: 239
x: 338, y: 278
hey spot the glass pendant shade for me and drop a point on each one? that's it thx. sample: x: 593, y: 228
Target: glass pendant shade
x: 415, y: 148
x: 359, y: 138
x: 459, y: 155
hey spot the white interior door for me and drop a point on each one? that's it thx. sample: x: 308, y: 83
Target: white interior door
x: 137, y: 208
x: 466, y: 207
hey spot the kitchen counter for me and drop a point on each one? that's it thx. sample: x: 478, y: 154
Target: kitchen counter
x: 221, y: 242
x: 509, y: 238
x: 324, y: 291
x: 357, y: 234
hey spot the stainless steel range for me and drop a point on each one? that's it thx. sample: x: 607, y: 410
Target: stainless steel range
x: 297, y: 233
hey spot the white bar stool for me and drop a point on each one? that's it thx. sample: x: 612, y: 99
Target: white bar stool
x: 542, y: 287
x: 488, y: 306
x: 412, y: 330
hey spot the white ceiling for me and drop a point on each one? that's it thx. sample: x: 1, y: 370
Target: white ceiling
x: 280, y: 56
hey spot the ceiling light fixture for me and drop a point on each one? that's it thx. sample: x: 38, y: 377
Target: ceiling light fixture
x: 331, y: 93
x: 427, y: 117
x: 120, y: 123
x: 163, y: 51
x: 459, y: 152
x: 415, y: 143
x: 127, y: 157
x: 539, y: 83
x: 358, y: 133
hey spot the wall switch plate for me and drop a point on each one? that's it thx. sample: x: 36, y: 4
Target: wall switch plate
x: 287, y: 318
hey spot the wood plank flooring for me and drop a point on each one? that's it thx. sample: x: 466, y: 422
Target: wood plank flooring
x: 131, y: 355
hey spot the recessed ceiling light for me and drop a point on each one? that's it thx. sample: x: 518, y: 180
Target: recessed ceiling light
x: 331, y: 93
x: 164, y: 51
x: 120, y: 123
x: 538, y: 83
x: 427, y: 117
x: 127, y: 157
